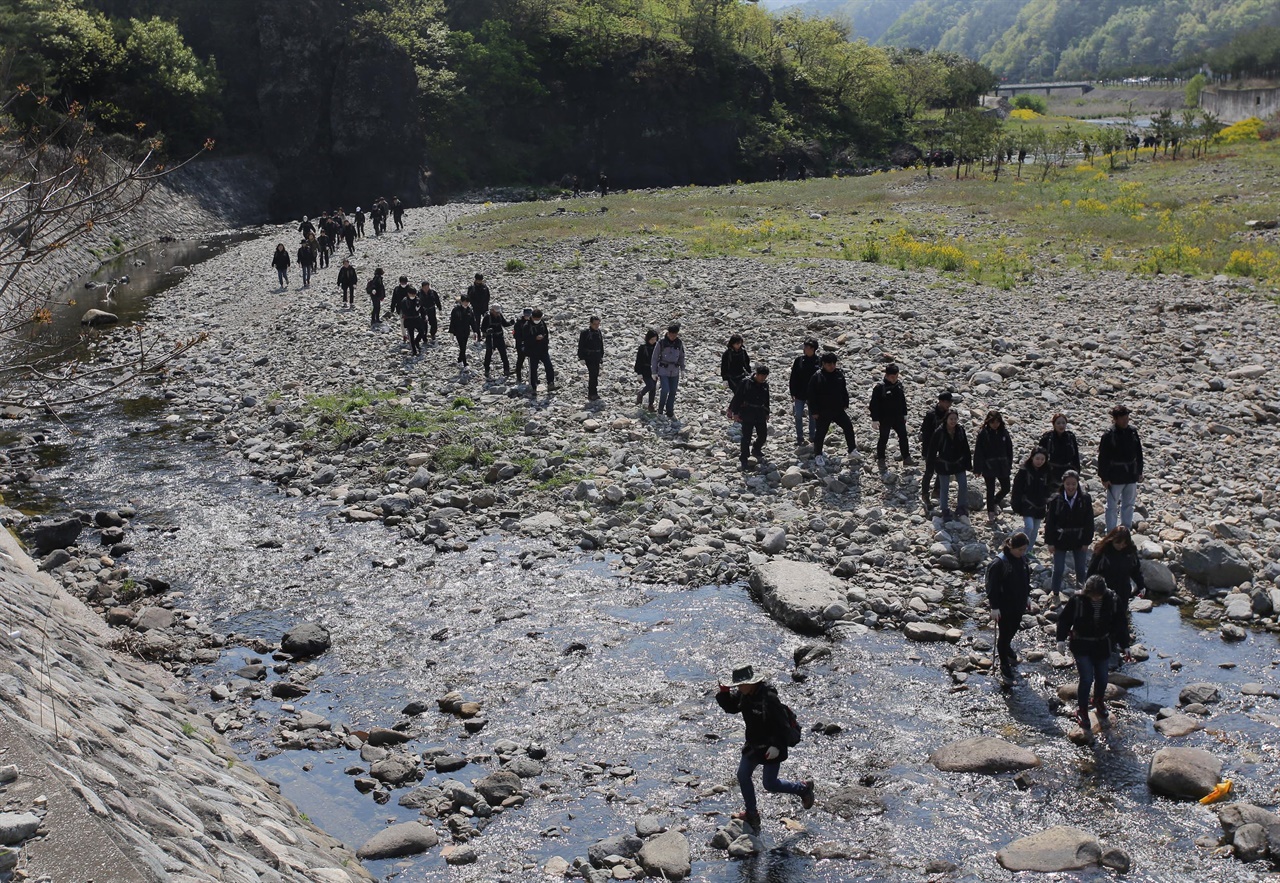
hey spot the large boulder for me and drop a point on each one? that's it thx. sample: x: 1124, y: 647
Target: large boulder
x: 95, y: 318
x: 497, y: 787
x: 983, y: 754
x: 409, y: 838
x: 1159, y: 579
x: 928, y: 632
x: 1057, y: 849
x: 666, y: 856
x: 625, y: 845
x: 1234, y: 816
x: 1183, y: 773
x: 51, y: 535
x: 16, y: 827
x: 851, y: 801
x: 308, y: 639
x: 1215, y: 564
x: 796, y: 593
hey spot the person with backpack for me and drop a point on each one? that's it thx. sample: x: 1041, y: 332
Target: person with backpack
x: 347, y: 280
x: 280, y: 260
x: 432, y: 306
x: 1031, y: 489
x: 494, y: 327
x: 1009, y: 597
x: 751, y: 404
x: 461, y: 323
x: 771, y: 729
x: 1090, y: 625
x: 928, y: 429
x: 1115, y: 559
x: 735, y: 364
x: 1068, y: 529
x: 993, y: 460
x: 1063, y: 450
x: 591, y: 353
x: 889, y: 414
x: 802, y: 370
x: 1120, y: 468
x: 643, y: 367
x: 411, y: 311
x: 377, y: 290
x: 829, y: 403
x: 667, y: 366
x: 951, y: 458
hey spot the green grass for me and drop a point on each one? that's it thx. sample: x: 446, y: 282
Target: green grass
x: 1152, y: 215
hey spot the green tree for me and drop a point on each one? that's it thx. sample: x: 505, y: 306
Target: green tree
x: 1195, y: 86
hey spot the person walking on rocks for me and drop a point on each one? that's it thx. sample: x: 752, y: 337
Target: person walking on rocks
x: 751, y: 404
x: 349, y: 234
x: 324, y: 248
x: 1120, y: 468
x: 521, y: 336
x: 644, y: 367
x: 735, y: 364
x: 347, y: 280
x: 1116, y: 560
x: 928, y: 428
x: 377, y: 290
x: 432, y: 306
x: 889, y: 414
x: 829, y: 403
x: 1031, y: 490
x: 802, y: 371
x: 993, y: 460
x: 538, y: 345
x: 1091, y: 624
x: 280, y: 260
x: 306, y: 228
x: 397, y: 212
x: 479, y: 295
x: 398, y: 294
x: 1063, y: 450
x: 1068, y: 529
x: 461, y: 324
x: 667, y: 366
x: 359, y: 222
x: 307, y: 260
x: 767, y: 722
x: 951, y: 457
x: 494, y: 327
x: 1009, y: 597
x: 591, y: 353
x: 411, y: 311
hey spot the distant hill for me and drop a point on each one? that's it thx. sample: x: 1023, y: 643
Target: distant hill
x: 1055, y: 39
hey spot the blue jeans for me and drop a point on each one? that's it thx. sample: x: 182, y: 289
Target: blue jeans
x: 306, y: 274
x: 797, y: 409
x: 284, y: 277
x: 667, y: 394
x: 746, y: 769
x: 1080, y: 559
x: 1121, y: 499
x: 1093, y: 661
x: 1031, y: 527
x: 962, y: 492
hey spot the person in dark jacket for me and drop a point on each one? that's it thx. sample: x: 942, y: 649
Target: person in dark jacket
x: 538, y: 346
x: 1031, y: 494
x: 829, y: 403
x: 735, y: 364
x: 324, y: 248
x: 432, y: 306
x: 951, y: 457
x: 347, y: 280
x: 359, y: 222
x: 928, y: 427
x: 993, y: 460
x: 494, y: 327
x: 349, y: 234
x: 1120, y: 468
x: 802, y: 371
x: 397, y: 212
x: 411, y: 313
x: 398, y: 294
x: 1068, y: 528
x: 1009, y: 596
x: 307, y: 260
x: 889, y: 414
x: 306, y: 228
x: 1116, y: 560
x: 280, y: 260
x: 751, y: 404
x: 751, y: 696
x: 479, y: 295
x: 461, y: 324
x: 521, y: 337
x: 644, y: 367
x: 377, y: 290
x: 667, y: 365
x: 591, y: 353
x: 1063, y: 450
x: 1091, y: 624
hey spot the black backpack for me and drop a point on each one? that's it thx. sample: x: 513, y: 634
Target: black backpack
x: 791, y: 727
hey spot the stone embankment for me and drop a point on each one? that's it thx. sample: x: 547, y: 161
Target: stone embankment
x: 108, y: 773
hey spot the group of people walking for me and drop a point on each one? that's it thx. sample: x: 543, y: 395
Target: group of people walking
x: 321, y: 238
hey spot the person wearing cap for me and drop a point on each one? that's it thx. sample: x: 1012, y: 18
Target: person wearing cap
x: 521, y: 335
x: 431, y: 305
x: 1120, y: 468
x: 1009, y: 596
x: 751, y: 696
x: 644, y: 367
x: 993, y: 460
x: 1068, y: 528
x: 479, y: 295
x: 889, y: 414
x: 928, y: 427
x: 1031, y: 491
x: 667, y: 366
x: 494, y: 327
x: 347, y: 280
x: 538, y: 346
x: 461, y: 322
x: 591, y: 353
x: 951, y: 457
x: 829, y: 403
x: 751, y: 404
x: 1091, y: 624
x: 360, y: 222
x: 306, y: 228
x: 1063, y: 449
x: 802, y: 371
x: 735, y: 364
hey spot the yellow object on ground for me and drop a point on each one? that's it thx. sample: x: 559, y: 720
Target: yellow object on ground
x: 1221, y: 790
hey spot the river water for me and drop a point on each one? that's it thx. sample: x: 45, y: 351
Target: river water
x: 617, y: 681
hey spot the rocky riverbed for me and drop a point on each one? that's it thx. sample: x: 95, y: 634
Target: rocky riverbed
x: 578, y: 570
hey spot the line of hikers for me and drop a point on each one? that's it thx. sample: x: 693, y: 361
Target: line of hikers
x: 320, y: 238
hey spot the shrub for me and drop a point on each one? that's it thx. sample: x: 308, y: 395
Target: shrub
x: 1031, y: 102
x: 515, y: 265
x: 1023, y: 113
x: 1245, y: 130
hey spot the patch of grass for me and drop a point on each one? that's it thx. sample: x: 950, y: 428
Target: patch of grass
x: 515, y: 265
x: 188, y: 729
x: 128, y: 591
x: 559, y: 480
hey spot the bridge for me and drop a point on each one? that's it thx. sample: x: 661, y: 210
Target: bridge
x: 1008, y: 90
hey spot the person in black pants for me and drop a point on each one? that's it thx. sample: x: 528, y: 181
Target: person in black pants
x: 411, y: 312
x: 461, y: 322
x: 1116, y: 560
x: 802, y: 371
x: 1091, y: 624
x: 889, y: 414
x: 538, y: 345
x: 376, y: 290
x: 928, y: 427
x: 829, y: 403
x: 347, y: 282
x: 591, y: 351
x: 431, y: 305
x: 644, y: 367
x: 494, y: 327
x: 993, y: 460
x: 478, y: 294
x: 521, y: 335
x: 751, y: 404
x: 1008, y: 595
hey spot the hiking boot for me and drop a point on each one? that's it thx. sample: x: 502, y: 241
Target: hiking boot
x: 1104, y: 713
x: 639, y: 397
x: 806, y: 796
x: 1006, y: 668
x: 752, y: 819
x: 880, y: 464
x: 909, y: 461
x: 1082, y: 718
